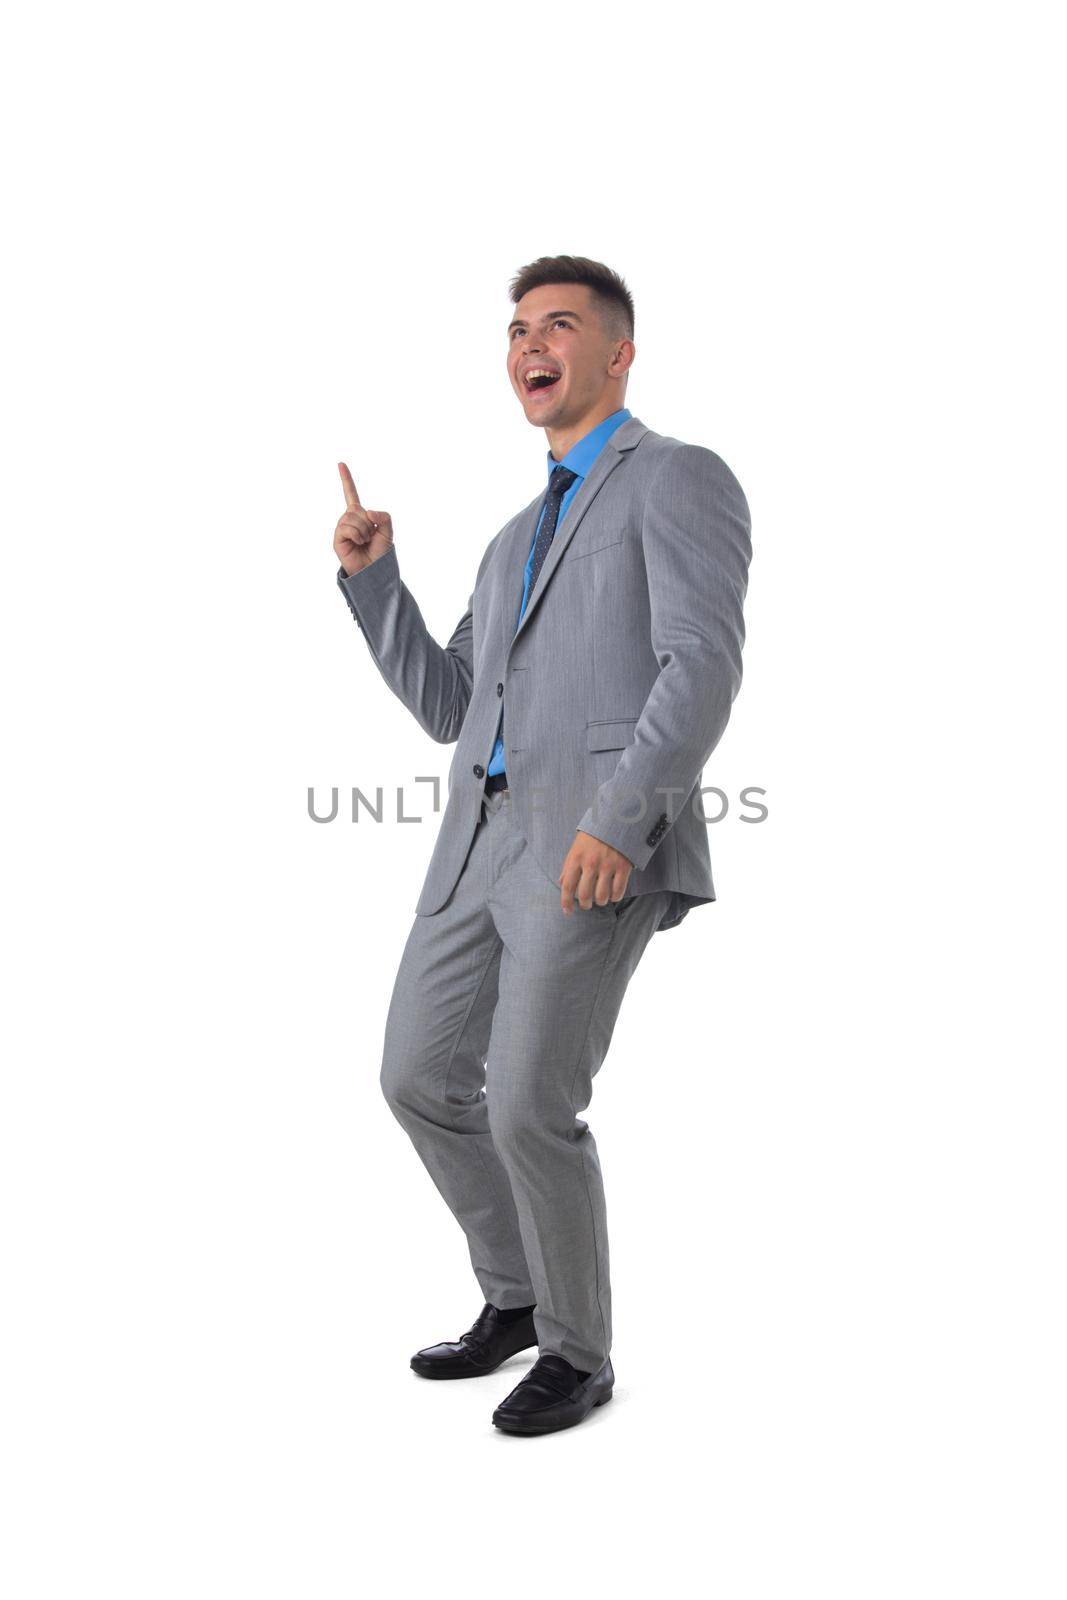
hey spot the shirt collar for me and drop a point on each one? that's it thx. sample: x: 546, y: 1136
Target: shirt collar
x: 581, y: 455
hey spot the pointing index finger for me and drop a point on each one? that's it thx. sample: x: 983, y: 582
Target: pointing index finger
x: 351, y: 497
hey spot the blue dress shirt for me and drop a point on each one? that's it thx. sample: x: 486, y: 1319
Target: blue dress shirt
x: 579, y: 459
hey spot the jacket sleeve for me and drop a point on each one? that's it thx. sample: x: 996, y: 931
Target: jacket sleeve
x: 435, y: 682
x: 696, y: 539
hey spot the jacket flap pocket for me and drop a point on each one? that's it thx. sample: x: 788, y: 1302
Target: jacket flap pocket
x: 610, y: 735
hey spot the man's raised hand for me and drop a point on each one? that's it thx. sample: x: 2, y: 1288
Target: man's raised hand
x: 361, y: 536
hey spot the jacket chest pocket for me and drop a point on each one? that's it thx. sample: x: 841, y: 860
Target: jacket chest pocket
x: 603, y: 542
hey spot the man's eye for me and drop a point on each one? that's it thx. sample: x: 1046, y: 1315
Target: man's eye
x: 560, y: 322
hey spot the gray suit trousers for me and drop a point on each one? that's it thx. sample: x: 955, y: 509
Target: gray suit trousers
x: 501, y: 1014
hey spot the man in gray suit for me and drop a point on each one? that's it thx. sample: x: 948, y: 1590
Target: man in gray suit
x: 585, y: 686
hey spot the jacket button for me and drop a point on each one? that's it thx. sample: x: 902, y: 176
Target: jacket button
x: 479, y: 770
x: 500, y: 688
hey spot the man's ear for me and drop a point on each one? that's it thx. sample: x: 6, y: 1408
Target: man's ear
x: 625, y: 353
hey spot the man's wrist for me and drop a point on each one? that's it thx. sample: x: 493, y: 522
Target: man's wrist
x: 607, y: 842
x: 365, y: 583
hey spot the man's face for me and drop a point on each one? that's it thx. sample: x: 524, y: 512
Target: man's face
x: 557, y: 329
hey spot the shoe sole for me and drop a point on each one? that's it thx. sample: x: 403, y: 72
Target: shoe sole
x: 438, y: 1377
x: 552, y: 1427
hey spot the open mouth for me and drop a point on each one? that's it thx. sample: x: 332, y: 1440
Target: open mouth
x: 539, y: 378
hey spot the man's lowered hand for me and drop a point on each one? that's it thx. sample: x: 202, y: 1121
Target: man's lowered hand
x: 593, y: 871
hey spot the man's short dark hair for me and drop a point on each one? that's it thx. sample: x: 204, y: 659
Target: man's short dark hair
x: 612, y: 298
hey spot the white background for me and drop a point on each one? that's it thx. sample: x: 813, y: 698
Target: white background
x: 246, y: 242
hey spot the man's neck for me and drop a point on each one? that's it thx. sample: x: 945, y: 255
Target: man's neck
x: 560, y: 440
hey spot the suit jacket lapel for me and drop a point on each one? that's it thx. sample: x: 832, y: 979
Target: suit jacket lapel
x: 624, y: 438
x: 512, y: 560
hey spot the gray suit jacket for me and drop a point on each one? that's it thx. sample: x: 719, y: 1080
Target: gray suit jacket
x: 615, y: 687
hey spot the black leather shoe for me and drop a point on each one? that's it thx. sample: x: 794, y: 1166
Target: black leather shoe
x: 480, y: 1350
x: 552, y: 1395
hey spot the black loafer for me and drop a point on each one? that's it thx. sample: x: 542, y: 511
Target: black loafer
x: 481, y: 1349
x: 553, y: 1395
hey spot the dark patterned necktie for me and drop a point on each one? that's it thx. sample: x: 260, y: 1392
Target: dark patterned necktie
x: 558, y: 484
